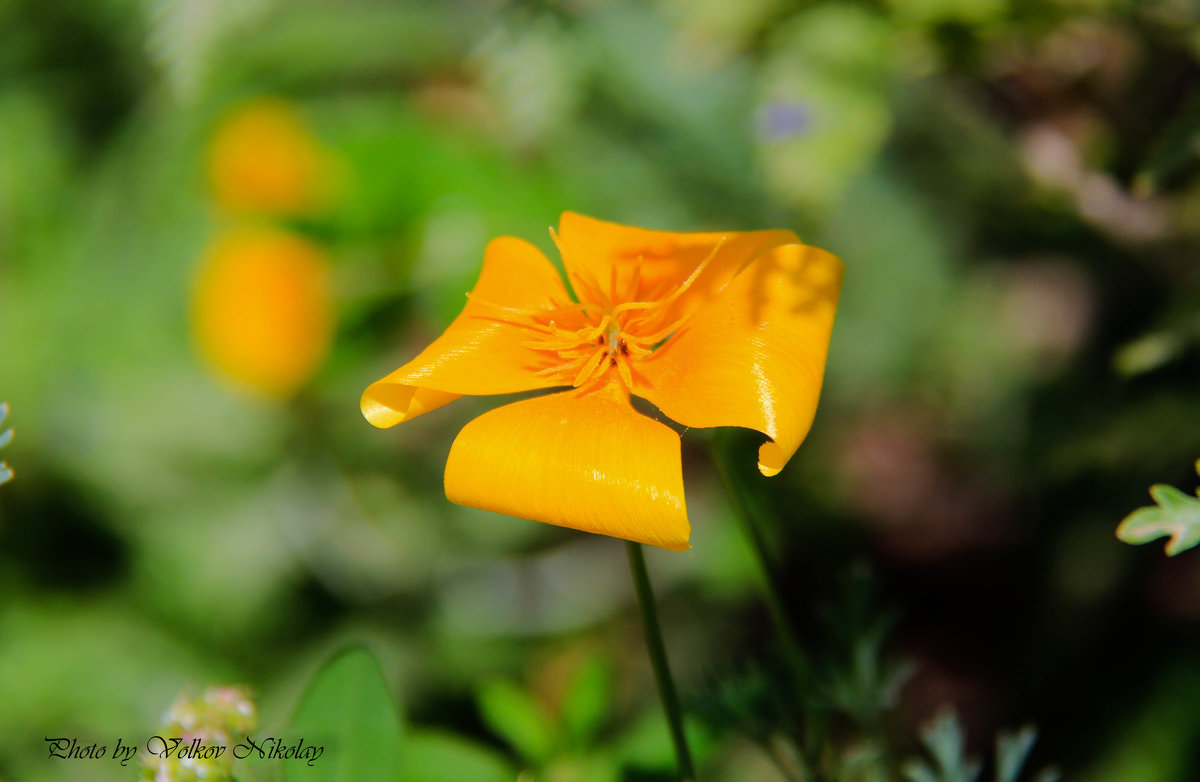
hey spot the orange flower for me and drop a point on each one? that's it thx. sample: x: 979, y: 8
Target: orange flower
x: 715, y: 329
x: 264, y: 160
x: 261, y: 313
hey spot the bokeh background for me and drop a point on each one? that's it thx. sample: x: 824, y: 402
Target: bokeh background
x: 1011, y: 184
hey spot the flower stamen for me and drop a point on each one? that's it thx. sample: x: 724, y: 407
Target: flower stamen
x: 590, y: 367
x: 626, y: 374
x: 616, y: 337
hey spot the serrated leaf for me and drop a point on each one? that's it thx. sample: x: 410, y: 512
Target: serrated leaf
x: 943, y: 740
x: 866, y: 762
x: 348, y: 709
x: 1176, y: 516
x: 917, y: 771
x: 1012, y: 750
x: 513, y: 714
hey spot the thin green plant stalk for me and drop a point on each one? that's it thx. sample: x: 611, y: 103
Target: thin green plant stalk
x: 658, y: 660
x: 767, y: 571
x: 797, y: 660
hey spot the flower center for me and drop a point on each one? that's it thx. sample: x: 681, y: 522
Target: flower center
x: 588, y: 354
x: 618, y: 328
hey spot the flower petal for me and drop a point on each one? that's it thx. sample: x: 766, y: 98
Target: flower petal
x: 586, y: 461
x: 755, y: 355
x: 386, y: 404
x: 649, y: 264
x: 481, y: 352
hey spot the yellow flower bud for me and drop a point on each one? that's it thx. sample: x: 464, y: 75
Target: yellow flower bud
x: 264, y: 160
x: 262, y: 314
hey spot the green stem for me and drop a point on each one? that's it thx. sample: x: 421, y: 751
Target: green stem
x: 658, y: 659
x: 798, y: 662
x: 772, y: 593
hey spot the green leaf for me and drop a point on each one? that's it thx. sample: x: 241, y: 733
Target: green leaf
x: 646, y: 744
x: 586, y: 701
x: 918, y: 771
x: 513, y: 714
x: 1177, y: 515
x: 1175, y: 153
x: 1012, y: 750
x: 943, y: 739
x: 348, y: 710
x: 434, y: 756
x: 865, y: 762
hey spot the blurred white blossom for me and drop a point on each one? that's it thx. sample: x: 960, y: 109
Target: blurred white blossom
x: 220, y: 717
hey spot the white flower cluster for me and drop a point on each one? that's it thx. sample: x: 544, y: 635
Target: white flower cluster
x: 197, y: 734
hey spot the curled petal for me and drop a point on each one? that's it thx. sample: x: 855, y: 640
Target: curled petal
x: 625, y: 264
x: 754, y: 356
x: 387, y: 404
x: 586, y: 461
x: 484, y: 351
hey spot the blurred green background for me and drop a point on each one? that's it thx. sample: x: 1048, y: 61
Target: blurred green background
x: 1012, y: 185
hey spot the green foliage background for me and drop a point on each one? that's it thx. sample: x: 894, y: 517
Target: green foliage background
x: 1011, y: 184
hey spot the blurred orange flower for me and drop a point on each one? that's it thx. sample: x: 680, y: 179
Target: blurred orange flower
x: 264, y: 160
x: 262, y: 312
x: 715, y: 329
